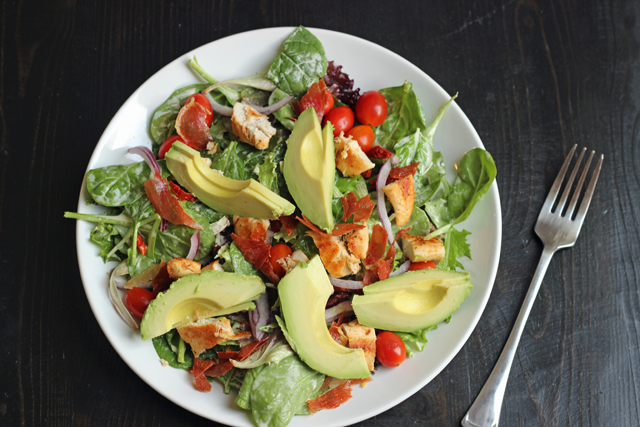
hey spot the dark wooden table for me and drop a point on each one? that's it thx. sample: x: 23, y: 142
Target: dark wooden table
x: 534, y: 79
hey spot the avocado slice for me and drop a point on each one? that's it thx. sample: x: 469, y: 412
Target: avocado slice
x: 304, y: 292
x: 412, y: 301
x: 310, y: 167
x: 211, y: 293
x: 228, y: 196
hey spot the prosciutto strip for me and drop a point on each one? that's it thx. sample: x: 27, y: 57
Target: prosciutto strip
x: 191, y: 125
x: 334, y: 397
x: 315, y: 97
x: 254, y: 251
x: 403, y: 172
x: 338, y: 230
x: 165, y: 204
x: 181, y: 194
x: 360, y: 208
x: 198, y: 371
x: 289, y: 223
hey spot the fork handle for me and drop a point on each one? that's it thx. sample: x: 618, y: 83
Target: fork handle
x: 485, y: 411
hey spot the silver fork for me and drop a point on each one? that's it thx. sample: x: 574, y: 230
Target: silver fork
x: 557, y: 231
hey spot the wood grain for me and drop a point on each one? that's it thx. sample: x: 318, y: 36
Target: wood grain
x: 534, y: 77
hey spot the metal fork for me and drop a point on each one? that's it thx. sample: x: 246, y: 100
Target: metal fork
x: 557, y: 230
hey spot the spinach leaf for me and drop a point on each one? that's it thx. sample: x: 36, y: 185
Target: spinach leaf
x: 140, y: 209
x: 175, y: 241
x: 222, y: 94
x: 106, y: 237
x: 255, y: 96
x: 456, y: 246
x: 118, y: 185
x: 283, y: 115
x: 230, y: 163
x: 404, y: 117
x: 240, y: 265
x: 276, y: 392
x: 268, y: 172
x: 419, y: 223
x: 476, y: 173
x: 426, y: 185
x: 163, y: 119
x: 163, y: 345
x: 217, y: 130
x: 232, y: 379
x: 301, y: 63
x: 357, y: 184
x: 273, y: 351
x: 204, y: 210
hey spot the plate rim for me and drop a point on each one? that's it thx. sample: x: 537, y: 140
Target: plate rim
x: 495, y: 198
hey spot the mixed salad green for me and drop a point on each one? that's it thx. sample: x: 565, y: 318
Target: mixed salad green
x: 258, y: 358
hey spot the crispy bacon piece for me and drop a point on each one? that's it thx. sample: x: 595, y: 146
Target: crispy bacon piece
x: 223, y: 356
x: 289, y: 222
x: 255, y: 252
x: 334, y: 397
x: 219, y: 370
x: 378, y: 152
x: 275, y: 225
x: 162, y: 280
x: 267, y: 270
x: 402, y: 172
x: 191, y: 125
x: 198, y: 371
x: 165, y: 204
x: 377, y: 244
x: 248, y: 349
x: 367, y: 174
x: 316, y: 97
x: 338, y: 230
x: 360, y: 208
x: 181, y: 194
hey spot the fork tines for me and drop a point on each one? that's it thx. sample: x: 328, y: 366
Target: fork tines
x: 555, y: 188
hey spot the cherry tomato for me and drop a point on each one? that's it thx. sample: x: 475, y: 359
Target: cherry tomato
x: 364, y: 136
x: 341, y: 118
x: 278, y: 252
x: 202, y: 100
x: 371, y: 108
x: 166, y: 146
x: 137, y: 300
x: 141, y: 245
x: 390, y: 349
x: 329, y: 102
x: 424, y: 265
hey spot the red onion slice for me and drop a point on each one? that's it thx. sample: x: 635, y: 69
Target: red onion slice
x: 195, y: 244
x: 333, y: 313
x: 402, y: 269
x: 148, y: 157
x: 352, y: 285
x: 223, y: 110
x: 382, y: 207
x: 270, y: 109
x: 115, y: 297
x: 164, y: 224
x: 259, y: 317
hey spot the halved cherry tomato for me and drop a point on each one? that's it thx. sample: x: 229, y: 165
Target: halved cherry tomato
x: 371, y: 108
x: 342, y: 119
x: 329, y: 101
x: 423, y: 265
x: 390, y: 349
x: 166, y: 146
x: 137, y: 300
x: 202, y: 100
x: 278, y: 252
x: 364, y: 136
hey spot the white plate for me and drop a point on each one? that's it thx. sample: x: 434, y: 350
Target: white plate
x: 372, y: 67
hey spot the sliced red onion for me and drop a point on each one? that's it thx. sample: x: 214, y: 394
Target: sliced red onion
x: 259, y: 317
x: 270, y: 109
x: 382, y: 207
x: 164, y: 224
x: 223, y: 110
x: 333, y: 313
x: 269, y: 237
x: 256, y: 81
x: 220, y: 225
x: 352, y: 285
x: 195, y: 244
x: 148, y: 157
x: 402, y: 269
x: 115, y: 297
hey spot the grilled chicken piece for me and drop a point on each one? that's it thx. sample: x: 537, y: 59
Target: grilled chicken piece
x: 290, y: 261
x: 251, y: 228
x: 334, y: 254
x: 350, y: 159
x: 250, y: 126
x: 418, y: 249
x: 363, y: 337
x: 401, y: 194
x: 180, y: 267
x: 357, y: 242
x: 206, y: 333
x: 215, y: 266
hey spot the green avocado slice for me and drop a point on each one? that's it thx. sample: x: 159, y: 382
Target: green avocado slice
x: 210, y: 293
x: 412, y: 301
x: 310, y: 167
x: 228, y: 196
x: 304, y: 292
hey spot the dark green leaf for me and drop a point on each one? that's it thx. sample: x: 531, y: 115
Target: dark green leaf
x: 230, y: 163
x: 456, y: 246
x: 163, y: 348
x: 285, y: 113
x: 404, y: 117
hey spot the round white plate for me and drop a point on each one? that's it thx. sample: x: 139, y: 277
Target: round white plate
x: 372, y: 67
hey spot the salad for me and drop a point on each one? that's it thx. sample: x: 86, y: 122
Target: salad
x: 351, y: 227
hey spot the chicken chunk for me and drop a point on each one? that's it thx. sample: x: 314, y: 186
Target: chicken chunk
x: 251, y: 228
x: 419, y: 249
x: 350, y: 159
x: 180, y: 267
x: 250, y: 126
x: 401, y: 194
x: 214, y: 266
x: 290, y: 261
x: 334, y: 254
x: 363, y: 337
x: 357, y: 242
x: 206, y: 333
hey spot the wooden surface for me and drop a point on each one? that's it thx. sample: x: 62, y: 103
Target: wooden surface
x: 534, y: 79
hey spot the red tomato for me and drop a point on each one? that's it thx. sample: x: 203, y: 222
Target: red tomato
x: 421, y: 265
x: 329, y: 101
x: 137, y: 300
x: 341, y: 118
x: 364, y: 136
x: 202, y: 100
x: 390, y: 349
x: 279, y: 251
x: 141, y: 245
x: 371, y: 108
x: 166, y: 146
